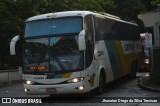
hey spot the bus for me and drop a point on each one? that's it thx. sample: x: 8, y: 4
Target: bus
x: 146, y: 45
x: 77, y: 51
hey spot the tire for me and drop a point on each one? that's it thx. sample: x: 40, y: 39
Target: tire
x: 100, y: 88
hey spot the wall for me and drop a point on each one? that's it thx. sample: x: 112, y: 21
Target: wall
x: 152, y: 20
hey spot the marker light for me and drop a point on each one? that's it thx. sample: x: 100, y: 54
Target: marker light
x: 74, y: 80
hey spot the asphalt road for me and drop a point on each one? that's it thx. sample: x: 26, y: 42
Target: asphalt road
x: 122, y: 88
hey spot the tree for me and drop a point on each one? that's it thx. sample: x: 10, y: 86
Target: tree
x: 109, y: 6
x: 128, y: 9
x: 8, y: 26
x: 13, y: 14
x: 151, y: 4
x: 66, y: 5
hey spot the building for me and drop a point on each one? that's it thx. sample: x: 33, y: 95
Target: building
x: 151, y: 21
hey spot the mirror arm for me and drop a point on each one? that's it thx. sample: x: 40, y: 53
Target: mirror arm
x: 13, y: 44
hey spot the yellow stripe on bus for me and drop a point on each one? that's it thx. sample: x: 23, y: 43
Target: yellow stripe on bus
x: 67, y: 75
x: 126, y: 59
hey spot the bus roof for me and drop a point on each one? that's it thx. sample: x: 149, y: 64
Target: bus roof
x: 58, y: 15
x: 75, y: 13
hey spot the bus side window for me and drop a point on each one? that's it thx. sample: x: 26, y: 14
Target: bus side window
x: 88, y: 26
x: 89, y: 54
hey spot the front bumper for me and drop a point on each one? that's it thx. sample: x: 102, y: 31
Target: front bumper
x: 54, y: 89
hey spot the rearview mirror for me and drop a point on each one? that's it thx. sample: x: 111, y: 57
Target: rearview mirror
x: 82, y: 41
x: 13, y: 44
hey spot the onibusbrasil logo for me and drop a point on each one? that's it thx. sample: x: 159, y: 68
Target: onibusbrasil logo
x: 21, y: 100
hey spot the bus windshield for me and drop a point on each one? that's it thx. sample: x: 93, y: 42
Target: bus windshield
x: 53, y: 26
x: 53, y: 54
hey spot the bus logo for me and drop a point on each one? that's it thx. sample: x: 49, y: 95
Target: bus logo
x: 38, y: 78
x: 6, y: 100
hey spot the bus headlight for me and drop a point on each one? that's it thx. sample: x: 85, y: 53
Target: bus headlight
x: 146, y: 61
x: 80, y: 88
x: 29, y: 82
x: 74, y: 80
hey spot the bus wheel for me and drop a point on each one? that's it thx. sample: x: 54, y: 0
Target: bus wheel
x: 100, y: 88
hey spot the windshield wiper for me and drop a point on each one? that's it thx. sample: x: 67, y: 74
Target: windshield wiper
x: 59, y: 63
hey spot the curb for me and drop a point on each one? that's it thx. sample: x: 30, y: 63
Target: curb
x: 143, y: 86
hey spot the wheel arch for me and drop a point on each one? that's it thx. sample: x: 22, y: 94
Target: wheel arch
x: 103, y: 71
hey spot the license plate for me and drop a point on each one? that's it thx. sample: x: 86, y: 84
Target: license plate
x: 50, y: 90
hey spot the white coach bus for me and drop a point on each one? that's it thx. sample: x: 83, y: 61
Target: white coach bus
x: 77, y: 51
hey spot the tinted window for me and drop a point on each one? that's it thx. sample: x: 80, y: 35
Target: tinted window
x: 88, y: 26
x: 53, y: 26
x: 115, y: 30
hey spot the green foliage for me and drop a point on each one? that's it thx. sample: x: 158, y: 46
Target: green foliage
x: 150, y: 4
x: 66, y: 5
x: 13, y: 14
x: 155, y: 2
x: 8, y: 21
x: 129, y: 9
x: 108, y: 6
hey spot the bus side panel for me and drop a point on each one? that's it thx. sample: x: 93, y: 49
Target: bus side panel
x: 102, y: 60
x: 126, y: 59
x: 131, y: 51
x: 114, y: 58
x: 121, y: 60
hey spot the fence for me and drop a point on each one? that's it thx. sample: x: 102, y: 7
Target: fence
x: 10, y: 76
